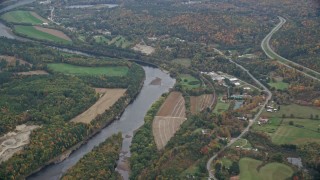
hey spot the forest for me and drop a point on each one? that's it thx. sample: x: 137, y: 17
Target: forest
x: 99, y: 163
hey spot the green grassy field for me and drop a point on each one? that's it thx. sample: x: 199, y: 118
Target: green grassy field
x: 221, y: 106
x: 120, y: 41
x: 101, y: 39
x: 189, y: 82
x: 279, y: 85
x: 79, y: 70
x: 22, y: 17
x: 296, y: 110
x: 32, y: 32
x: 303, y: 131
x: 183, y: 61
x: 243, y: 143
x: 271, y: 171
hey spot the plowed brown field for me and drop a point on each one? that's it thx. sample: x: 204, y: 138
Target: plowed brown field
x: 199, y: 103
x: 169, y: 118
x: 54, y: 32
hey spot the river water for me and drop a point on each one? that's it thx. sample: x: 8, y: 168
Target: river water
x: 131, y: 119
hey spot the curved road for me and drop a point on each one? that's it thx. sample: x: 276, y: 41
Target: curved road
x: 251, y: 122
x: 265, y: 45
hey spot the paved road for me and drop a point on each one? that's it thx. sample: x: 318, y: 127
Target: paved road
x: 265, y: 45
x: 251, y: 122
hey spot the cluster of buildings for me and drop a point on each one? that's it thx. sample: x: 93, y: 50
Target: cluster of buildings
x: 220, y: 77
x: 271, y: 109
x: 263, y: 120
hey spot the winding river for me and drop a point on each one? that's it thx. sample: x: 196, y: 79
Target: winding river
x: 131, y: 119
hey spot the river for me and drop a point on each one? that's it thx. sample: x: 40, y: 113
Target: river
x: 131, y: 119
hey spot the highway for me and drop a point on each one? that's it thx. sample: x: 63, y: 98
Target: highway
x: 251, y: 122
x: 265, y: 45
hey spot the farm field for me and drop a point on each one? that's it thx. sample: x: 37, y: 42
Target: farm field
x: 189, y: 82
x: 42, y: 33
x: 199, y: 103
x: 23, y: 17
x: 302, y: 131
x: 169, y: 118
x: 279, y: 85
x: 297, y: 111
x: 80, y: 70
x: 183, y: 61
x: 104, y: 103
x: 248, y: 170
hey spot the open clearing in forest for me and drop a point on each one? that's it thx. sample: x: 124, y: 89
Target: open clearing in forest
x: 104, y: 103
x: 199, y: 103
x: 189, y: 82
x: 145, y: 49
x: 279, y: 85
x: 30, y: 73
x: 221, y: 106
x: 249, y: 170
x: 12, y: 142
x: 169, y: 118
x: 82, y: 70
x: 11, y: 60
x: 23, y: 17
x: 41, y: 33
x: 182, y: 61
x: 118, y: 41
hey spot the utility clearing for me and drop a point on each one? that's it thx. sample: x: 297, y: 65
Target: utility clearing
x: 199, y: 103
x: 169, y: 118
x: 12, y: 142
x: 108, y: 98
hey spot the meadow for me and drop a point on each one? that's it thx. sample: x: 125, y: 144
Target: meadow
x: 279, y: 85
x: 23, y: 17
x: 248, y: 170
x: 32, y: 32
x: 81, y: 70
